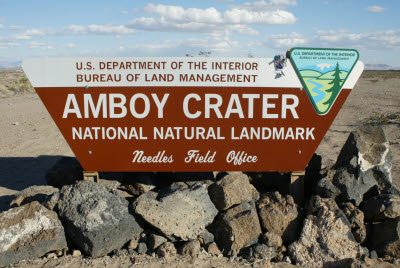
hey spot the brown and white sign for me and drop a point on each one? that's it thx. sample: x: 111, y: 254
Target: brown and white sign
x: 183, y: 114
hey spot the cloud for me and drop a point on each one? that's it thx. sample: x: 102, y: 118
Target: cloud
x: 93, y: 29
x: 1, y: 26
x: 262, y: 6
x: 389, y: 39
x: 6, y: 45
x: 376, y: 9
x: 107, y: 29
x: 236, y: 19
x: 70, y: 45
x: 40, y: 45
x: 286, y: 41
x: 2, y: 19
x: 17, y: 27
x: 29, y: 34
x: 124, y: 12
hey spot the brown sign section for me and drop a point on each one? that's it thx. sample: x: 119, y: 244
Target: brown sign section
x: 284, y: 141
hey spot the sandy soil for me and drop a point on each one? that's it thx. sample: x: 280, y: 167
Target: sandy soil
x: 202, y: 261
x: 30, y: 143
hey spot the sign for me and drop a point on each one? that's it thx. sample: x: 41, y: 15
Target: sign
x: 321, y: 74
x: 192, y: 114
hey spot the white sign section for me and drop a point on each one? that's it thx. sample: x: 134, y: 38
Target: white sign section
x: 165, y: 71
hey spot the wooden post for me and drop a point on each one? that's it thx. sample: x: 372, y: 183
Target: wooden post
x: 296, y: 188
x: 91, y: 176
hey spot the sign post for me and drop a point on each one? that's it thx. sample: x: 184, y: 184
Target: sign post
x: 195, y: 114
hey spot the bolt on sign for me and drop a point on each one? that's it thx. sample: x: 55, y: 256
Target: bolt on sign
x: 195, y: 113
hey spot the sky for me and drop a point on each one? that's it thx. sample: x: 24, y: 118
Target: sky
x: 57, y: 28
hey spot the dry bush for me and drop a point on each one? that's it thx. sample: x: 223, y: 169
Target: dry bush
x: 14, y: 82
x: 375, y: 76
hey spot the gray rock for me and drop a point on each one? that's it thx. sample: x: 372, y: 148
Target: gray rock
x: 142, y: 248
x: 121, y: 252
x: 65, y: 171
x: 326, y: 236
x: 138, y: 188
x: 213, y: 249
x: 279, y: 215
x: 385, y: 238
x: 382, y: 207
x: 206, y: 238
x: 51, y: 201
x: 363, y: 168
x: 191, y: 248
x: 365, y: 251
x: 76, y: 253
x: 110, y: 184
x: 374, y: 255
x: 134, y: 243
x: 39, y: 193
x: 190, y: 178
x: 261, y: 251
x: 166, y: 250
x: 182, y: 214
x: 356, y: 219
x: 29, y: 231
x: 325, y: 187
x: 287, y: 259
x: 233, y: 189
x: 155, y: 241
x: 96, y: 218
x: 236, y: 228
x: 281, y: 252
x: 171, y: 188
x: 271, y: 239
x: 51, y: 255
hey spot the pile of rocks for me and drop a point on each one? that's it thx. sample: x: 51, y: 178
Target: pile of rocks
x: 352, y: 210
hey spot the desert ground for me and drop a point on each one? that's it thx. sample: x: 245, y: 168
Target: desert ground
x: 30, y: 142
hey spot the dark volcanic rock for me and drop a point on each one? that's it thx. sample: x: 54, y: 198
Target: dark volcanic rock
x: 236, y: 228
x: 326, y: 236
x: 166, y: 250
x: 362, y: 168
x: 190, y: 178
x: 137, y: 183
x: 65, y: 171
x: 356, y: 219
x: 182, y: 214
x: 271, y: 239
x: 154, y: 241
x: 29, y: 231
x: 279, y: 215
x: 261, y: 251
x: 96, y: 218
x: 385, y: 238
x: 191, y: 248
x: 232, y: 189
x: 382, y: 207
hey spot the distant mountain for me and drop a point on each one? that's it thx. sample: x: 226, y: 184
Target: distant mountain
x: 380, y: 67
x: 11, y: 65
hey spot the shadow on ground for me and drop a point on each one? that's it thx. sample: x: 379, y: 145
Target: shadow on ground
x: 18, y: 173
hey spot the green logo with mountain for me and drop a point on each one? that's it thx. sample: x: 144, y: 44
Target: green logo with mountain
x: 323, y: 73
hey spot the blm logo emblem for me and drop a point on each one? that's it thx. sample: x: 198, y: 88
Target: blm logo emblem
x: 323, y: 73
